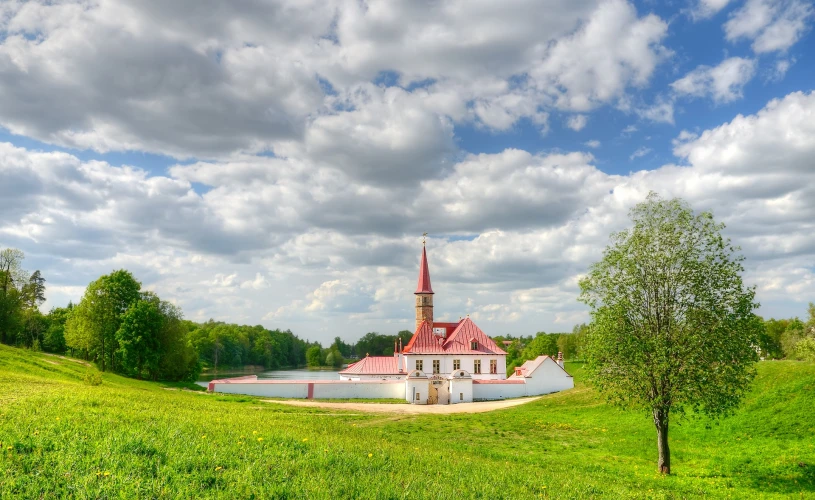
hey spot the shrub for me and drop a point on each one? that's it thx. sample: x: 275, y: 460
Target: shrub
x: 92, y: 376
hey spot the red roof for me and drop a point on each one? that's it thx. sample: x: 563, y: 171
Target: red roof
x: 424, y: 275
x: 459, y: 340
x: 424, y: 341
x: 506, y: 381
x: 373, y: 365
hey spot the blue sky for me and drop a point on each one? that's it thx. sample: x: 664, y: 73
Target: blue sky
x: 278, y: 163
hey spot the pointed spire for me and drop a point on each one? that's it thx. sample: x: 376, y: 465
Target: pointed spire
x: 424, y: 274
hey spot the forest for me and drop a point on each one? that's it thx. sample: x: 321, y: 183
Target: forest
x: 133, y: 332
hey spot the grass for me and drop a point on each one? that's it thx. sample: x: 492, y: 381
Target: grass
x: 134, y: 439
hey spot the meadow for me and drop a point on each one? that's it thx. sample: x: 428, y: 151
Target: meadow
x: 60, y: 437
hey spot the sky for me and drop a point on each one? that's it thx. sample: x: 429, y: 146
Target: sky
x: 276, y: 162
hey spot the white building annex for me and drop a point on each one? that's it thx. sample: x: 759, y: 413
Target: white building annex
x: 443, y: 363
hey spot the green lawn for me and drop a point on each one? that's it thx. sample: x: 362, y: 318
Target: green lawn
x: 129, y: 439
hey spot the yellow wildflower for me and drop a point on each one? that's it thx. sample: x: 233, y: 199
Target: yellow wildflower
x: 254, y: 432
x: 218, y: 468
x: 107, y: 473
x: 260, y: 439
x: 8, y: 448
x: 204, y: 436
x: 370, y: 455
x: 305, y: 439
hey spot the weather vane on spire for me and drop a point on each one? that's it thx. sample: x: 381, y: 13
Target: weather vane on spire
x: 424, y: 239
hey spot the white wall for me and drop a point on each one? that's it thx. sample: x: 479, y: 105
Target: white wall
x: 485, y: 392
x: 322, y: 389
x: 373, y: 377
x: 367, y: 390
x: 549, y: 377
x: 467, y: 363
x: 420, y: 385
x: 461, y: 387
x: 267, y: 389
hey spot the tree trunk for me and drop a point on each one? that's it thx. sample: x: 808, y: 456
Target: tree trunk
x: 103, y: 353
x: 661, y: 423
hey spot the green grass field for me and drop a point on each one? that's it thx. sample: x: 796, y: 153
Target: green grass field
x: 131, y: 439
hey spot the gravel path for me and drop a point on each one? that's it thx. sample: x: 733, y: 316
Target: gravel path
x: 411, y: 409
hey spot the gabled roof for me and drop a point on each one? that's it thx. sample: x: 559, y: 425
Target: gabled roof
x: 467, y: 331
x: 424, y: 275
x: 531, y: 365
x: 373, y: 365
x: 424, y: 341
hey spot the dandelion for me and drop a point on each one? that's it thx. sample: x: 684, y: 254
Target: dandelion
x: 260, y: 439
x: 305, y: 439
x: 254, y: 432
x: 57, y: 419
x: 370, y: 455
x: 204, y: 436
x: 218, y: 468
x: 106, y: 474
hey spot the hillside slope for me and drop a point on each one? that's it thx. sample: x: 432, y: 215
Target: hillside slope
x: 126, y: 438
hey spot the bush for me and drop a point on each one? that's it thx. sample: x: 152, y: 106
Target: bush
x: 805, y: 349
x: 92, y: 376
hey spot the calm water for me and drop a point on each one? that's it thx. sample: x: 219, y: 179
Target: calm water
x: 274, y: 375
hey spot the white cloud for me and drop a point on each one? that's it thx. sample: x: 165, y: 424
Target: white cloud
x: 577, y: 122
x: 708, y: 8
x: 723, y: 83
x: 779, y: 71
x: 639, y: 153
x: 613, y: 50
x: 594, y: 143
x: 662, y: 111
x: 259, y: 283
x: 772, y: 25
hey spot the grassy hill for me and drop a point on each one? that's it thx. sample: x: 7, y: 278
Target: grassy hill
x: 127, y: 439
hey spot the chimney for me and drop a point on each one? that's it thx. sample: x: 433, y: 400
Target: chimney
x: 560, y: 359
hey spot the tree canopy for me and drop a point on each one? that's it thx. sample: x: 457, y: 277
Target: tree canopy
x: 672, y: 327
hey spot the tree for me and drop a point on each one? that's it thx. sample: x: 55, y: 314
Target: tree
x: 313, y: 356
x: 12, y: 301
x: 542, y: 345
x: 54, y: 339
x: 673, y: 327
x: 93, y: 325
x: 138, y: 339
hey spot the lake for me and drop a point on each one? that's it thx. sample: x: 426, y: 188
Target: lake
x: 301, y: 374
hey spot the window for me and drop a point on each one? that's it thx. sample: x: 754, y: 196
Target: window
x: 419, y: 364
x: 477, y: 366
x: 417, y: 396
x: 456, y: 364
x: 493, y: 366
x: 473, y: 345
x: 461, y: 396
x: 436, y: 366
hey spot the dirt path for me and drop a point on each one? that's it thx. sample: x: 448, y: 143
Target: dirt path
x: 406, y: 409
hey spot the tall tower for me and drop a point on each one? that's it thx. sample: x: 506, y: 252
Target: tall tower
x: 424, y: 293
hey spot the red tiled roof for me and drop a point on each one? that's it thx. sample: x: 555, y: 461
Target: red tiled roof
x: 424, y: 341
x: 424, y: 275
x: 459, y: 340
x: 373, y: 365
x: 507, y: 381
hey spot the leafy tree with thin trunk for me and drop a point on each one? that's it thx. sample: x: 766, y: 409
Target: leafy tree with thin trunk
x: 673, y: 328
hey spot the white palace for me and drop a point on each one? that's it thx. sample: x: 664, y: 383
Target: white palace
x: 443, y: 363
